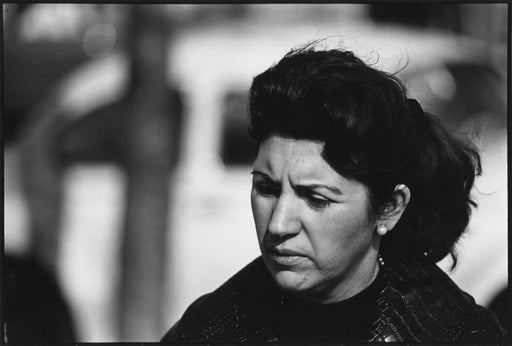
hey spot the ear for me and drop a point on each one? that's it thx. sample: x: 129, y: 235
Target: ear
x: 393, y: 210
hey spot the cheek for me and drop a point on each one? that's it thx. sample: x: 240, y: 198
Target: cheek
x: 340, y: 234
x: 261, y: 211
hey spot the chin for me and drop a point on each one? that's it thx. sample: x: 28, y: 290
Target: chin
x: 290, y: 281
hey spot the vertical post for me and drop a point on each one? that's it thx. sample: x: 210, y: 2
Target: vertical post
x: 151, y: 134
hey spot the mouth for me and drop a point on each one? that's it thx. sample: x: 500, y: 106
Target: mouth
x: 285, y: 257
x: 284, y: 252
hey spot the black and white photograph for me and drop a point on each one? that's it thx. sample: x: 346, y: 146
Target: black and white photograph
x: 229, y: 173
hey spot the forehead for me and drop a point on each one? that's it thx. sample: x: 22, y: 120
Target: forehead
x: 299, y: 156
x: 285, y: 146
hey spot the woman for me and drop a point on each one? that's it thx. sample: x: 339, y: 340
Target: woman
x: 356, y: 194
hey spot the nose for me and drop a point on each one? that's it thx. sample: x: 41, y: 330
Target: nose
x: 285, y: 220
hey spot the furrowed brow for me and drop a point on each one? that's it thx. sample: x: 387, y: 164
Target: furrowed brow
x: 333, y: 189
x: 264, y: 175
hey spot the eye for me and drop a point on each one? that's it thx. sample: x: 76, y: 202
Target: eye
x: 266, y: 189
x: 317, y: 203
x: 312, y: 198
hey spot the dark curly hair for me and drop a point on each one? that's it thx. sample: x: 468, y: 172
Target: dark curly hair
x: 374, y: 134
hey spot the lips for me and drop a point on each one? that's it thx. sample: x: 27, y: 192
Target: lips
x: 285, y: 257
x: 284, y: 252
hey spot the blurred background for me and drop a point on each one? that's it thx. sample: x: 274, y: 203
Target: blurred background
x: 127, y: 159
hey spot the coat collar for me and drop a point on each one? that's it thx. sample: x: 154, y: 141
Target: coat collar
x: 419, y: 302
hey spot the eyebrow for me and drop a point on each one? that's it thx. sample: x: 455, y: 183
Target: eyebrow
x: 321, y: 186
x: 262, y: 174
x: 304, y: 186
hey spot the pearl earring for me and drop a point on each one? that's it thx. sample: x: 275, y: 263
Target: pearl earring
x: 382, y: 230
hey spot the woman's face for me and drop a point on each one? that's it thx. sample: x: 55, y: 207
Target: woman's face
x: 313, y: 225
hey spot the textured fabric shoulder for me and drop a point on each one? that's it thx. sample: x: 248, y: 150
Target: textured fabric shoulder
x: 241, y: 310
x: 484, y: 328
x: 178, y: 332
x: 420, y: 303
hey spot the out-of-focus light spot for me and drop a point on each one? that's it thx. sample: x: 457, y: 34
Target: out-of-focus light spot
x: 442, y: 84
x: 54, y: 22
x: 94, y: 84
x: 17, y: 239
x: 99, y: 40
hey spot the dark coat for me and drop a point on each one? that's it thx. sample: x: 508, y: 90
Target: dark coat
x: 419, y: 303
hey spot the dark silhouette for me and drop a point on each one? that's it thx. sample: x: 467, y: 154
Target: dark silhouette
x: 33, y: 306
